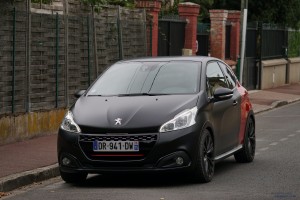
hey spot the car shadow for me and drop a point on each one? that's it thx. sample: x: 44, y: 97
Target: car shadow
x: 153, y: 180
x: 135, y: 181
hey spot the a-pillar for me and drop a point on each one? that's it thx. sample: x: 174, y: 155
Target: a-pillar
x: 217, y: 33
x: 152, y: 8
x: 190, y: 12
x: 234, y: 19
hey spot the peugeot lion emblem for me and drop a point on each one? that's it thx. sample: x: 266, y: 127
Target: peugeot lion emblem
x: 118, y: 121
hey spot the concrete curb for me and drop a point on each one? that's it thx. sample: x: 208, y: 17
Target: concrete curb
x: 276, y: 104
x: 15, y: 181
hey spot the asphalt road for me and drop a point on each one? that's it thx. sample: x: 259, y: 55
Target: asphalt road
x: 274, y: 174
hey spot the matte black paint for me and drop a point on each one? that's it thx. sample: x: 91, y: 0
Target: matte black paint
x: 144, y: 115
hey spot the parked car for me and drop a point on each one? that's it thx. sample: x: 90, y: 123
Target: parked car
x: 178, y: 114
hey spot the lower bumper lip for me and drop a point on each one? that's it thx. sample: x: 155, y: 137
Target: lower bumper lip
x: 117, y: 155
x: 124, y: 170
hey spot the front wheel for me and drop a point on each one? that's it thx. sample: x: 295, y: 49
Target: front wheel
x: 205, y: 165
x: 73, y: 177
x: 247, y: 153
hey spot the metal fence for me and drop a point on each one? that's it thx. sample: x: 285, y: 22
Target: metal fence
x: 45, y: 59
x: 267, y: 41
x: 274, y: 41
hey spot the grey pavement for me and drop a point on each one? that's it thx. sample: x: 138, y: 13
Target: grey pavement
x: 35, y: 160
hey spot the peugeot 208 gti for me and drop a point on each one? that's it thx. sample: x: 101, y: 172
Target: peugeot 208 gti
x: 178, y: 114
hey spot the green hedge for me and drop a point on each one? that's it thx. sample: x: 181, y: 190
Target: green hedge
x: 294, y: 43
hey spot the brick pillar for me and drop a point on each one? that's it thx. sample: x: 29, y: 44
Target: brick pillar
x: 217, y: 33
x: 153, y: 8
x: 234, y: 18
x: 190, y: 12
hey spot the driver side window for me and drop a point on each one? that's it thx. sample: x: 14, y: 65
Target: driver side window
x: 215, y: 78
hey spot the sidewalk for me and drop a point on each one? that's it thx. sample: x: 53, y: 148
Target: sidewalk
x: 35, y: 160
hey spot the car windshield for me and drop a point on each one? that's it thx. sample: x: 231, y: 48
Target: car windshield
x: 148, y: 78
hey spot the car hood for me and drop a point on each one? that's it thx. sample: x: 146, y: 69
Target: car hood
x: 135, y: 112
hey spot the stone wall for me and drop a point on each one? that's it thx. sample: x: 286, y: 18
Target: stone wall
x: 273, y: 73
x: 293, y: 70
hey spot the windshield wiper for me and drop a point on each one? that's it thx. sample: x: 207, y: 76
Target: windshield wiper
x: 141, y: 94
x: 94, y: 95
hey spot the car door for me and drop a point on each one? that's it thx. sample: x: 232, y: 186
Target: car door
x: 225, y: 114
x: 235, y: 118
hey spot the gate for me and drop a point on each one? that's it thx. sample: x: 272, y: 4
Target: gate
x: 263, y: 42
x: 171, y: 36
x: 203, y: 39
x: 227, y: 41
x: 251, y: 57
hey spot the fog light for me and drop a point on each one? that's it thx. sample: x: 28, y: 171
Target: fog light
x: 179, y: 160
x: 66, y: 161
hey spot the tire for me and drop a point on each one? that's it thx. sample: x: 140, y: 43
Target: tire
x: 73, y: 177
x: 247, y: 153
x: 205, y: 164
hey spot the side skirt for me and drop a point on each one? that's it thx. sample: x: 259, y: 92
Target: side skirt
x: 228, y: 153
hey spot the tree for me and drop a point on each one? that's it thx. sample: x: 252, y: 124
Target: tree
x: 269, y: 11
x: 275, y: 11
x: 205, y: 6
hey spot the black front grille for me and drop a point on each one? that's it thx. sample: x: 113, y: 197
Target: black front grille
x: 97, y: 130
x: 91, y: 138
x: 146, y: 143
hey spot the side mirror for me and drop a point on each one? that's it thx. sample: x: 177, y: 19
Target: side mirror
x: 79, y: 93
x: 223, y: 94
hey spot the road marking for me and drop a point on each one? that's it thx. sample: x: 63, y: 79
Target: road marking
x: 283, y: 139
x: 291, y: 135
x: 272, y: 129
x: 256, y: 153
x: 274, y: 143
x: 282, y: 116
x: 264, y: 149
x: 298, y: 131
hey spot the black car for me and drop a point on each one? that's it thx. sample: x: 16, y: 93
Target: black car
x: 180, y: 114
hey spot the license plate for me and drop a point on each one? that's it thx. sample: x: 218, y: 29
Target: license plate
x: 116, y: 146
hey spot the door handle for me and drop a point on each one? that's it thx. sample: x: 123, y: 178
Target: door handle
x: 234, y: 103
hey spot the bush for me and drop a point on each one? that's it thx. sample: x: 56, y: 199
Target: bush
x: 294, y: 43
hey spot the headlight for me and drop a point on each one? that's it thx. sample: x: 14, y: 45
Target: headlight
x: 69, y: 124
x: 182, y: 120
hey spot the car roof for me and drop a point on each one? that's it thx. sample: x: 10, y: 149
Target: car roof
x: 172, y: 58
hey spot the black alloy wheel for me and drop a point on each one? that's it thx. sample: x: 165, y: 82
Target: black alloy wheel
x: 247, y: 153
x: 205, y: 164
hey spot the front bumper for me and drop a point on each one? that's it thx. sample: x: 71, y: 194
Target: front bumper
x: 158, y: 152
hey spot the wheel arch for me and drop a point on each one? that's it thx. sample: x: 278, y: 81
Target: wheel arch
x: 250, y: 115
x: 207, y: 125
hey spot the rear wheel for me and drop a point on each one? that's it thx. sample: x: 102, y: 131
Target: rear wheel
x: 73, y: 177
x: 247, y: 153
x: 205, y: 165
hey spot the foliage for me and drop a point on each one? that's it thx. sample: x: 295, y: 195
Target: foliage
x: 168, y: 9
x: 275, y: 11
x: 268, y: 11
x: 41, y: 1
x: 123, y: 3
x: 294, y: 43
x: 205, y: 6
